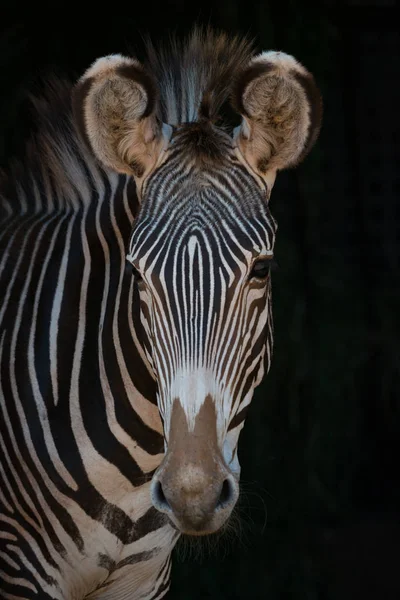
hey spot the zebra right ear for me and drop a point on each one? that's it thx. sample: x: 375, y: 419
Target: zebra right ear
x: 115, y: 106
x: 281, y: 109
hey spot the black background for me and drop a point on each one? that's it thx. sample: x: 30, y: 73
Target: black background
x: 319, y: 512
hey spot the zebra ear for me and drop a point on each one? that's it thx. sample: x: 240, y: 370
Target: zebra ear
x: 115, y: 109
x: 282, y: 110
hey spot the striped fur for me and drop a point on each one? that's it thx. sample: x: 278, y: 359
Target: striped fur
x: 194, y: 241
x: 80, y: 434
x: 112, y: 379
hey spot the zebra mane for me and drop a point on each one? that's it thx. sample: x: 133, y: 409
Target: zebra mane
x: 53, y: 158
x: 194, y: 76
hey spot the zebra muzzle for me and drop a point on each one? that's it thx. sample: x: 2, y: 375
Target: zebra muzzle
x: 193, y: 485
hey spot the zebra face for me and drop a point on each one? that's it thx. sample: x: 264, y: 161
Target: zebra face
x: 202, y: 250
x: 202, y: 243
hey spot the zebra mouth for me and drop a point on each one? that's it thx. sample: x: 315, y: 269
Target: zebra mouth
x: 199, y: 525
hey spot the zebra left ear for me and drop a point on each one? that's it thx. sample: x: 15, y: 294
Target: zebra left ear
x: 282, y: 110
x: 115, y: 108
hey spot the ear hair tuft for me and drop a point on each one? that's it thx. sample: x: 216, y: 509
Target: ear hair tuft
x: 254, y: 71
x: 136, y: 73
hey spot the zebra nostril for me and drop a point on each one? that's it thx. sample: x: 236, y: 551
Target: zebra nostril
x: 227, y: 494
x: 159, y: 499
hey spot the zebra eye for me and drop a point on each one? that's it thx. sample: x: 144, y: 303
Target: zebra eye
x: 261, y: 268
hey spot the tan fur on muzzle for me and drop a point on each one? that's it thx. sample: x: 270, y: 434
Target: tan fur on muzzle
x: 193, y: 485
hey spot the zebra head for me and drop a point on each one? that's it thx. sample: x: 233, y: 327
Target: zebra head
x: 202, y: 242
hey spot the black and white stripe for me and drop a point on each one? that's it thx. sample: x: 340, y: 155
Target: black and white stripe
x: 92, y: 355
x: 80, y: 433
x: 193, y: 244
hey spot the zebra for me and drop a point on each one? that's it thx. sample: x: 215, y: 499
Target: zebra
x: 135, y: 316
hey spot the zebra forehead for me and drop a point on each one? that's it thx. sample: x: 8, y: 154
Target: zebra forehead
x: 209, y: 235
x: 208, y: 202
x: 222, y: 206
x: 180, y: 180
x: 194, y: 239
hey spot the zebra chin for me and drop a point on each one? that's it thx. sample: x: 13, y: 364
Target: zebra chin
x: 193, y: 485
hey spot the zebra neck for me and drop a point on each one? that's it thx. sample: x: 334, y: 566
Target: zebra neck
x: 70, y: 317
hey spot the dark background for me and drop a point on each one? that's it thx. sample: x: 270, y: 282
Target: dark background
x: 319, y: 511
